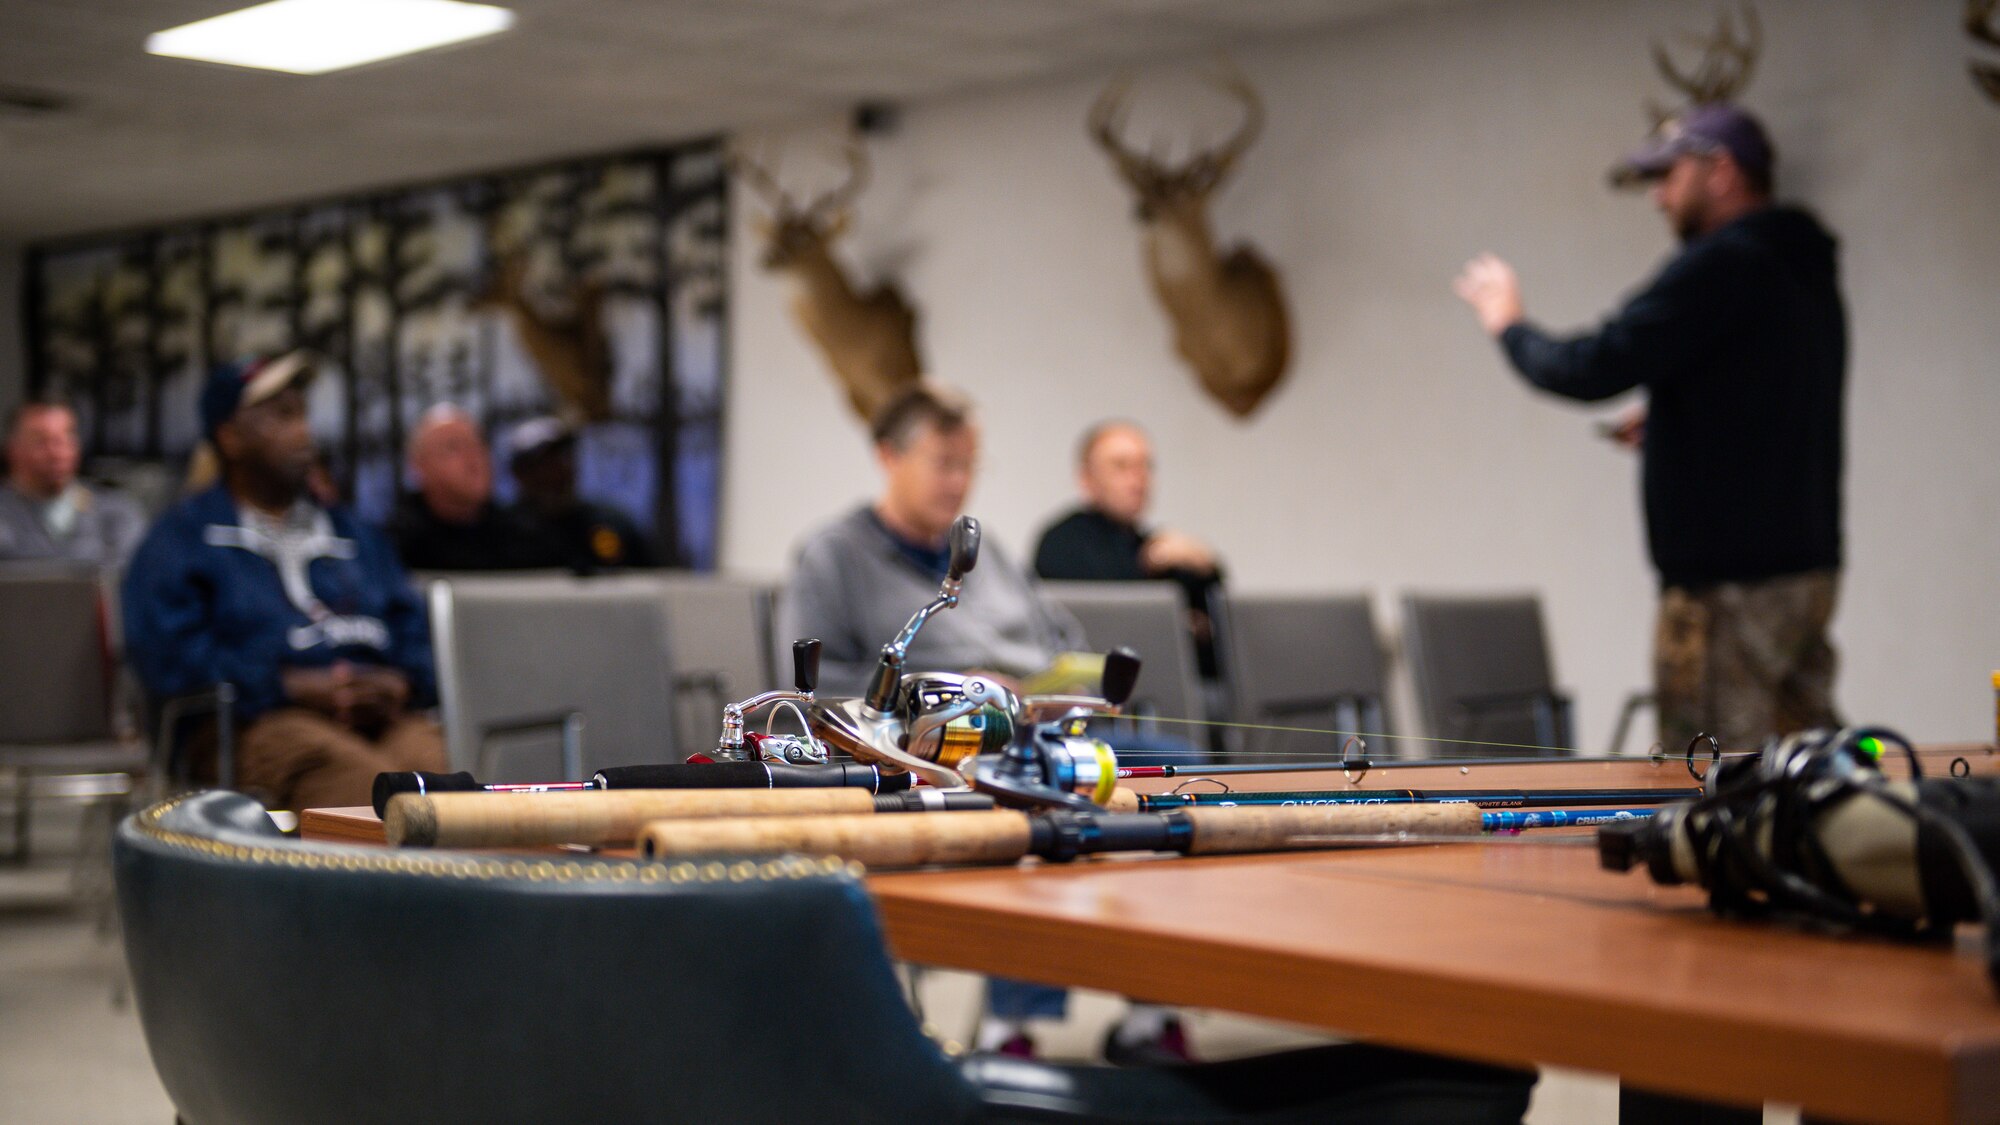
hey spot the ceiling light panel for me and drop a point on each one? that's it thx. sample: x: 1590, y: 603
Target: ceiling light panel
x: 316, y: 36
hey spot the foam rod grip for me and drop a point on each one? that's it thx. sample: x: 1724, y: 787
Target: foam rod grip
x: 1268, y: 828
x: 525, y: 820
x: 1001, y: 836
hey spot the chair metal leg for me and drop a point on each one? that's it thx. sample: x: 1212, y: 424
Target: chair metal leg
x: 1631, y: 708
x: 23, y: 803
x: 225, y: 735
x: 572, y: 746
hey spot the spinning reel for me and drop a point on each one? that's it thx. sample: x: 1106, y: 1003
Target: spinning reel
x: 736, y: 745
x: 951, y: 730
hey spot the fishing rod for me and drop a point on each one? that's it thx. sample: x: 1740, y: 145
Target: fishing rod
x: 712, y: 775
x: 609, y: 819
x: 1007, y: 835
x: 525, y: 818
x: 1703, y: 750
x: 1509, y: 820
x: 1479, y: 798
x: 1365, y: 765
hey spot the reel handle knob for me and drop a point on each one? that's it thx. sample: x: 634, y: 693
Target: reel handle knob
x: 1121, y: 675
x: 805, y: 664
x: 964, y: 547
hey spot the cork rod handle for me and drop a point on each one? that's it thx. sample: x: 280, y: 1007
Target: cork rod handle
x: 1268, y: 828
x: 878, y: 841
x: 611, y: 817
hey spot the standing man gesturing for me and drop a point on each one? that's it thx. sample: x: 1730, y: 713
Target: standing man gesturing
x: 1741, y: 345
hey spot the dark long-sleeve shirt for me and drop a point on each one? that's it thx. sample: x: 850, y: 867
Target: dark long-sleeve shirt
x: 1741, y: 344
x: 1089, y: 546
x: 497, y: 539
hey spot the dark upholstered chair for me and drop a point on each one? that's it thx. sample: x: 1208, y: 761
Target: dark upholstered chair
x: 282, y: 982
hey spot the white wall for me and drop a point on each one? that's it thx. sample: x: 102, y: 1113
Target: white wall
x: 1401, y: 453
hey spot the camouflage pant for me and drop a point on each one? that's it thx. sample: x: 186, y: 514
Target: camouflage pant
x: 1745, y: 660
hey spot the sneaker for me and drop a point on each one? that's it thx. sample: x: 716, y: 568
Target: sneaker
x: 1019, y: 1046
x: 1168, y: 1048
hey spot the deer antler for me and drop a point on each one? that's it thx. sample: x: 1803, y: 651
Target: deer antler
x: 1107, y: 117
x: 1979, y: 25
x: 836, y: 200
x: 1726, y: 61
x: 1217, y: 162
x: 1203, y: 169
x: 760, y: 179
x: 1979, y: 21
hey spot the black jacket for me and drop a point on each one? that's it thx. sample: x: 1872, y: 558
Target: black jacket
x: 499, y: 539
x: 1741, y: 344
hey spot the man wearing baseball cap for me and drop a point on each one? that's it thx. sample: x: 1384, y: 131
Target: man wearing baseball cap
x: 585, y: 536
x: 1740, y: 343
x: 303, y: 609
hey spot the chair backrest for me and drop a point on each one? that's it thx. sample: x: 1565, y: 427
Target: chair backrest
x: 721, y: 632
x: 55, y: 676
x: 1302, y: 660
x: 517, y: 655
x: 1482, y: 671
x: 1149, y: 618
x: 447, y: 987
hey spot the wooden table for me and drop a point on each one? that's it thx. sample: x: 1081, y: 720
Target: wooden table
x: 1504, y: 952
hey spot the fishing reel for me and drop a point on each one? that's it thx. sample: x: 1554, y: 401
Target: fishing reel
x: 1811, y: 830
x: 956, y: 730
x: 735, y: 745
x: 1055, y: 763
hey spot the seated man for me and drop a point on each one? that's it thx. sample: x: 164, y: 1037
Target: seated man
x: 860, y: 578
x: 303, y: 609
x: 1103, y: 541
x: 45, y: 512
x: 586, y: 537
x: 451, y: 521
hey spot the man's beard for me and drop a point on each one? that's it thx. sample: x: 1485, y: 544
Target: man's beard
x: 1691, y: 222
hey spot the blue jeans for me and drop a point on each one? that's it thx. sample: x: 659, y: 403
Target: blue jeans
x: 1022, y: 1000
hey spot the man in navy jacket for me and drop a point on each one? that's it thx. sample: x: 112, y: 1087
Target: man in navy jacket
x: 304, y: 609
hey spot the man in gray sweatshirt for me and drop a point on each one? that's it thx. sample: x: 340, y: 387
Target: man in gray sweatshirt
x: 862, y: 576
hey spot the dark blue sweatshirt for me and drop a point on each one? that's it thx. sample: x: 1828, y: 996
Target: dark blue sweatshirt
x: 1741, y: 344
x: 205, y: 600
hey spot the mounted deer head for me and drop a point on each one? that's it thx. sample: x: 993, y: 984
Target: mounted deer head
x: 1227, y: 308
x: 1725, y: 66
x: 869, y: 339
x: 1979, y: 25
x: 569, y: 348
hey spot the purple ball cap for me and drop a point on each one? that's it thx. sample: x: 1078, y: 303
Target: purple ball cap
x: 1710, y: 128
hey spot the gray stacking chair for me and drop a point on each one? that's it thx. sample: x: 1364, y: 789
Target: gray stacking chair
x: 721, y: 632
x: 58, y: 737
x: 1149, y: 618
x: 541, y: 678
x: 1482, y: 673
x: 1302, y: 660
